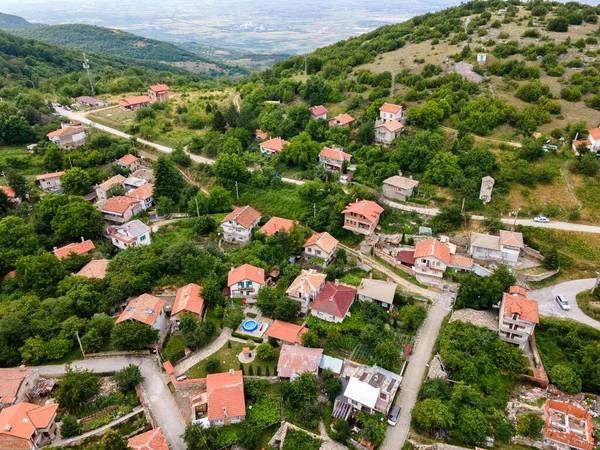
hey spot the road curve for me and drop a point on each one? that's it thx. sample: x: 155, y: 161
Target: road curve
x: 155, y: 391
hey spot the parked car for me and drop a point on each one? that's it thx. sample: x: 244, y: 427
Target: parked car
x: 541, y: 219
x: 563, y: 302
x: 549, y: 147
x: 394, y: 415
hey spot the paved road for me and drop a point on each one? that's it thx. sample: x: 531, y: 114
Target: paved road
x: 570, y: 289
x: 416, y: 371
x: 155, y: 391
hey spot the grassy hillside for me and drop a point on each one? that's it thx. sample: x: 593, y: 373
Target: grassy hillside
x: 117, y: 42
x: 10, y: 22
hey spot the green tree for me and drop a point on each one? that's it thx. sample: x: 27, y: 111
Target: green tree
x: 218, y: 122
x: 565, y: 379
x: 133, y: 336
x: 429, y: 116
x: 39, y: 274
x: 53, y: 158
x: 168, y: 181
x: 560, y: 24
x: 57, y: 348
x: 310, y: 339
x: 430, y: 415
x: 332, y: 385
x: 265, y: 351
x: 92, y: 341
x: 286, y: 309
x: 76, y: 219
x: 316, y: 91
x: 17, y: 239
x: 530, y: 425
x: 76, y: 181
x: 302, y: 151
x: 69, y: 426
x: 77, y: 386
x: 128, y: 378
x: 33, y: 351
x: 589, y: 164
x: 443, y: 169
x: 112, y: 440
x: 212, y: 365
x: 231, y: 167
x: 412, y: 316
x: 551, y: 259
x: 387, y: 355
x: 471, y: 426
x: 18, y: 183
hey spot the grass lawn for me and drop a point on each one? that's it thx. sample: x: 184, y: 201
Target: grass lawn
x: 589, y: 304
x: 282, y: 201
x: 229, y: 360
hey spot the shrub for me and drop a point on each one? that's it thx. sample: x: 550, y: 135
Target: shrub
x: 559, y: 24
x: 128, y: 378
x: 69, y: 426
x: 571, y: 94
x: 265, y: 351
x: 212, y: 365
x: 565, y: 379
x: 530, y: 425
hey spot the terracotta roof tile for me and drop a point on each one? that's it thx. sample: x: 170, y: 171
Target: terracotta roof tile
x: 159, y: 88
x: 275, y: 144
x: 79, y: 248
x: 287, y: 332
x: 150, y: 440
x: 594, y: 133
x: 517, y: 303
x: 66, y: 131
x: 131, y: 101
x: 344, y: 119
x: 335, y: 299
x: 22, y: 419
x: 96, y: 268
x: 337, y: 154
x: 188, y: 298
x: 49, y: 175
x: 119, y: 204
x: 246, y: 272
x: 324, y: 241
x: 243, y: 215
x: 309, y: 281
x: 391, y: 126
x: 261, y: 134
x: 295, y: 359
x: 276, y: 224
x: 366, y: 208
x: 554, y: 417
x: 225, y: 393
x: 433, y: 247
x: 10, y: 193
x: 318, y: 110
x: 128, y: 159
x: 11, y: 381
x: 461, y: 261
x: 390, y: 108
x: 144, y: 309
x: 511, y: 239
x: 144, y: 192
x: 112, y: 181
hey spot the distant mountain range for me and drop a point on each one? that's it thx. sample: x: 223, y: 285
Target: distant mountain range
x: 10, y: 22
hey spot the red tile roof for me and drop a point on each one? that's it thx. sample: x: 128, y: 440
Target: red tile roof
x: 67, y: 131
x: 390, y: 108
x: 10, y: 193
x: 406, y: 257
x: 433, y: 247
x: 324, y: 241
x: 225, y: 393
x: 594, y: 132
x: 150, y: 440
x: 131, y: 101
x: 112, y: 181
x: 188, y: 298
x: 287, y: 332
x: 526, y: 308
x: 119, y: 204
x: 261, y: 134
x: 243, y: 215
x: 461, y: 261
x: 276, y: 224
x: 128, y: 159
x: 246, y: 272
x: 344, y: 119
x: 318, y: 110
x: 79, y: 248
x: 96, y: 268
x: 557, y: 410
x: 11, y: 381
x: 366, y: 208
x: 144, y: 309
x: 49, y: 175
x: 295, y: 359
x: 159, y: 88
x: 144, y: 192
x: 391, y: 126
x: 22, y: 419
x: 511, y: 239
x: 308, y: 282
x: 275, y: 144
x: 335, y: 299
x: 337, y: 154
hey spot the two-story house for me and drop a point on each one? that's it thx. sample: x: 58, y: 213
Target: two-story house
x: 379, y: 291
x: 134, y: 103
x: 67, y: 137
x: 592, y: 142
x: 333, y: 158
x: 144, y: 194
x: 321, y: 247
x: 399, y: 187
x: 333, y: 302
x: 129, y: 162
x: 306, y: 287
x: 273, y: 146
x: 433, y: 257
x: 503, y: 249
x: 158, y: 93
x: 276, y: 224
x: 238, y: 224
x: 146, y: 309
x: 27, y: 426
x: 387, y: 131
x: 362, y: 216
x: 518, y: 317
x: 245, y: 281
x: 318, y: 112
x: 103, y: 188
x: 342, y: 120
x: 389, y: 112
x: 134, y: 233
x: 121, y: 209
x: 188, y: 300
x: 50, y: 181
x: 372, y: 389
x: 225, y: 398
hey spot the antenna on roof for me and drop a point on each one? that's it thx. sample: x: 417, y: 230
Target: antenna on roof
x: 86, y: 66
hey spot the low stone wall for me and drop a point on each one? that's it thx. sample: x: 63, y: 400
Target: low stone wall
x: 541, y: 276
x: 116, y: 353
x: 532, y: 253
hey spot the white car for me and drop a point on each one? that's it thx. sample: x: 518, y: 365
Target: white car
x: 563, y: 303
x: 541, y: 219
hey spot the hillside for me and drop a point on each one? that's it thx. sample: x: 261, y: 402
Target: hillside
x: 10, y: 22
x: 117, y: 42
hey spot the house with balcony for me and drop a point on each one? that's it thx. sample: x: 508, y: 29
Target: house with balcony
x: 387, y: 131
x: 568, y: 426
x: 245, y: 281
x: 503, y: 249
x: 273, y: 146
x: 389, y: 112
x: 27, y: 426
x: 370, y: 389
x: 362, y: 216
x: 518, y: 317
x: 238, y: 224
x: 306, y: 287
x: 146, y: 309
x: 50, y: 181
x: 318, y: 112
x: 145, y: 194
x: 134, y: 233
x: 320, y: 247
x: 188, y: 300
x: 333, y: 158
x: 433, y: 257
x: 67, y: 137
x: 399, y: 187
x: 158, y: 93
x: 121, y: 209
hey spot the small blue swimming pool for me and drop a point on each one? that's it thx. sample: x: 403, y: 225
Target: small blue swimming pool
x: 250, y: 325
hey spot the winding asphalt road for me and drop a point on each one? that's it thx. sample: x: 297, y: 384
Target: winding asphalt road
x: 547, y: 300
x: 158, y: 397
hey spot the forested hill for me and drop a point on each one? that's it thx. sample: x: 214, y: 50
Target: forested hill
x: 10, y: 22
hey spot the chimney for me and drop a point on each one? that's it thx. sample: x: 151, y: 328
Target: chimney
x: 399, y: 173
x: 7, y: 427
x: 370, y: 275
x: 337, y: 282
x: 55, y: 248
x: 82, y: 239
x: 410, y: 176
x: 224, y: 411
x: 331, y: 298
x: 231, y: 371
x: 232, y: 268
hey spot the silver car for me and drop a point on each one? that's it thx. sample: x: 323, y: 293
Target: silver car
x: 541, y: 219
x: 563, y: 302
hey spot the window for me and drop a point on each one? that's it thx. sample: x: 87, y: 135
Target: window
x: 248, y: 283
x: 317, y: 252
x: 218, y: 421
x: 235, y: 419
x: 143, y: 238
x: 241, y: 284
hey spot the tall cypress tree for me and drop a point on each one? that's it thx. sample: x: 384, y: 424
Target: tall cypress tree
x: 168, y: 181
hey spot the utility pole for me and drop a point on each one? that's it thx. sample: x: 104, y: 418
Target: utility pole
x: 197, y: 209
x: 86, y: 66
x: 70, y: 161
x: 80, y: 346
x: 516, y: 216
x: 463, y: 213
x: 314, y: 210
x: 237, y: 193
x: 393, y: 84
